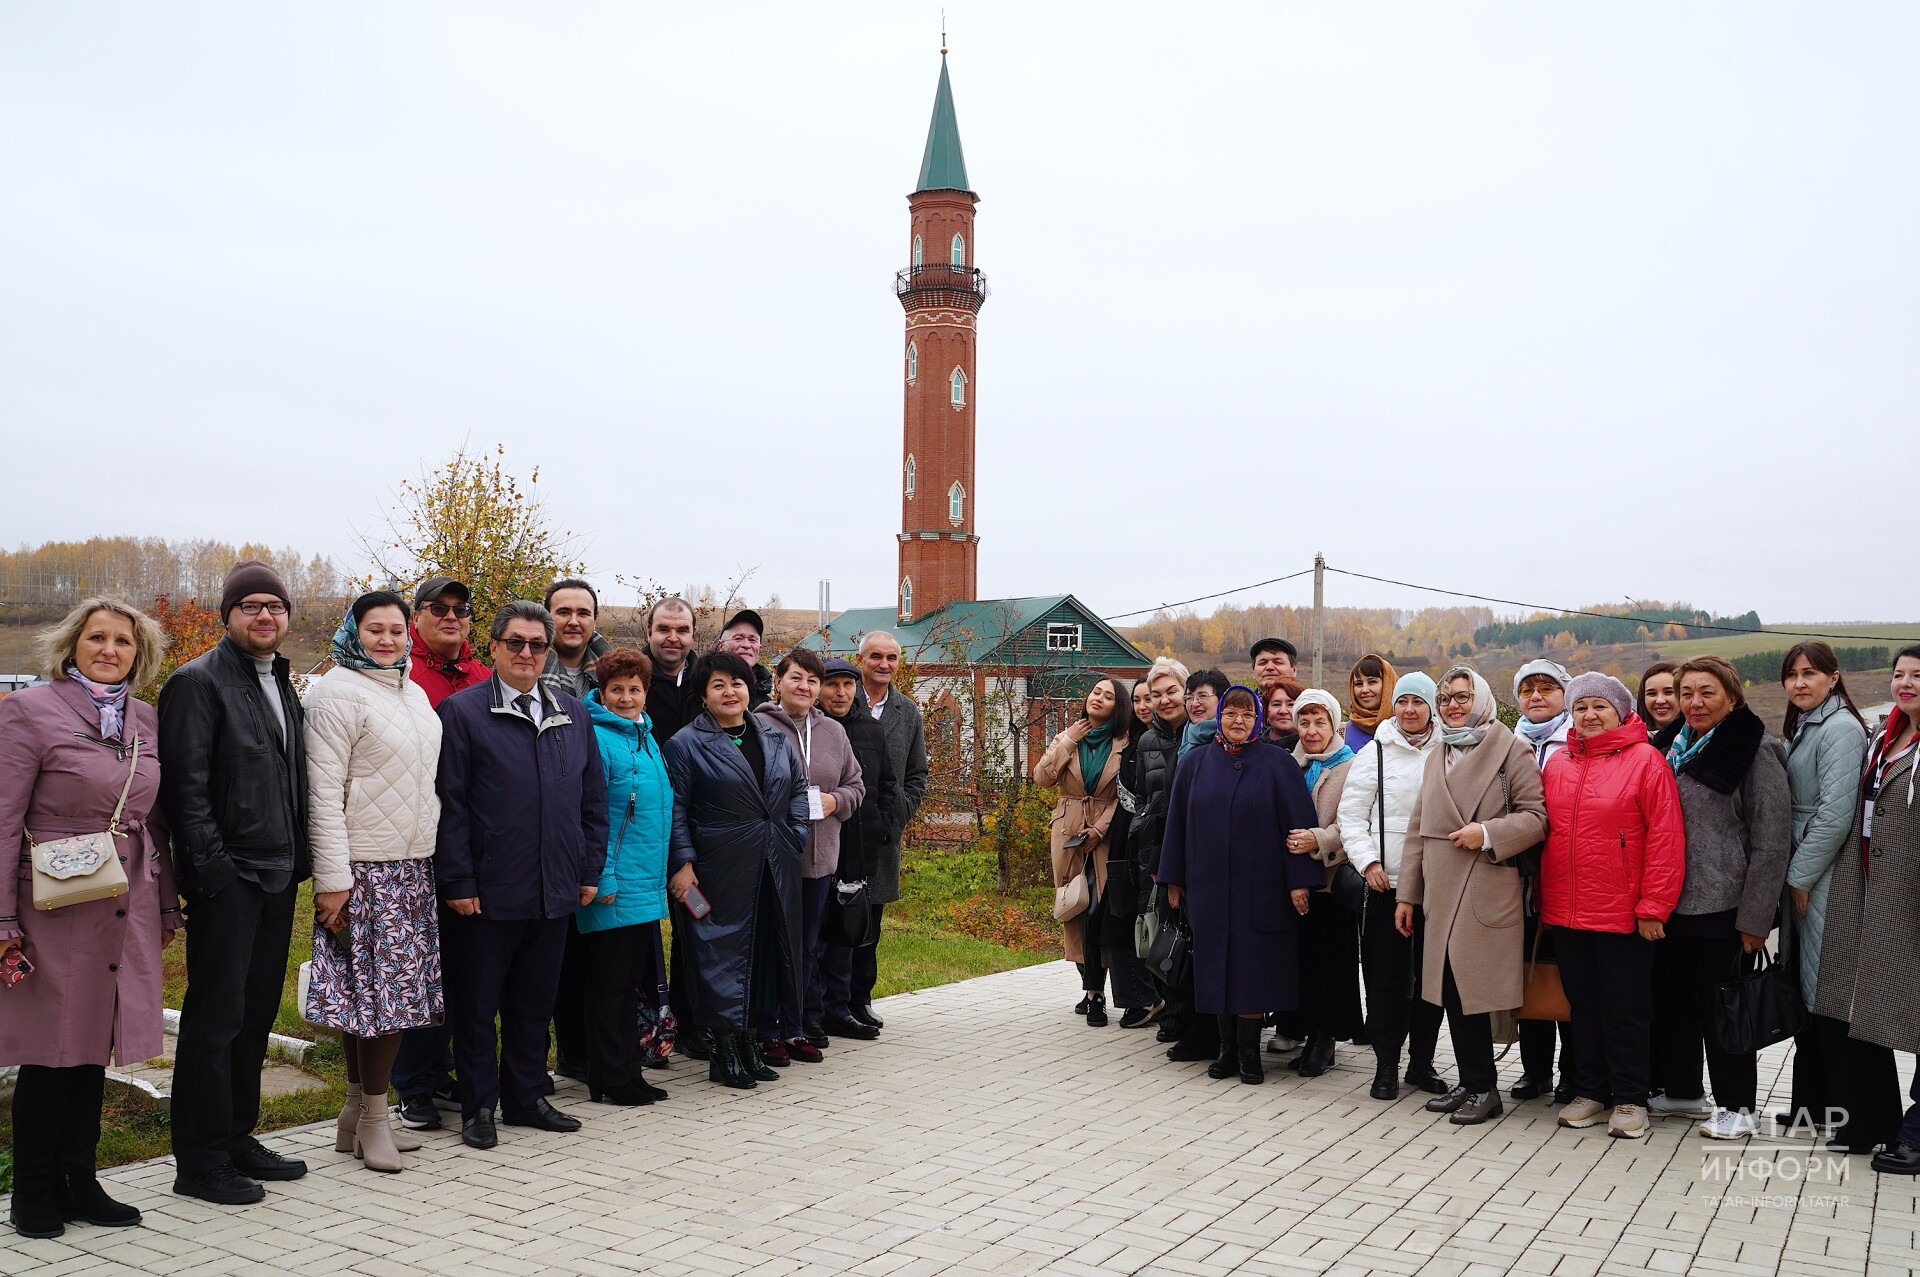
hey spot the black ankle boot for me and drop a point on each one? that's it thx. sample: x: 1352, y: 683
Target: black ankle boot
x: 1318, y: 1056
x: 1247, y: 1034
x: 1386, y: 1085
x: 1226, y: 1064
x: 36, y: 1214
x: 749, y: 1047
x: 724, y: 1064
x: 86, y: 1200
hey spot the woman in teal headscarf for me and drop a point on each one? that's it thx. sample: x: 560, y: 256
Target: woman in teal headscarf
x: 1084, y: 762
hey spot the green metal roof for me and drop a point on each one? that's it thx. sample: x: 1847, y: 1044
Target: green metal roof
x: 987, y: 632
x: 943, y: 167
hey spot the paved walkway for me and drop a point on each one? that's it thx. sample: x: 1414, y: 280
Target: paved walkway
x: 990, y: 1131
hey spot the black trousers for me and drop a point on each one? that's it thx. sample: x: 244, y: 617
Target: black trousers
x: 1396, y: 1013
x: 1472, y: 1038
x: 847, y: 976
x: 56, y: 1125
x: 616, y: 960
x: 510, y: 971
x: 1853, y: 1082
x: 572, y: 1039
x: 1685, y: 970
x: 236, y: 967
x: 1608, y: 978
x: 1329, y: 969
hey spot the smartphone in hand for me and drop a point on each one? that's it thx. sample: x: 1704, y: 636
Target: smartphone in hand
x: 696, y: 903
x: 15, y: 967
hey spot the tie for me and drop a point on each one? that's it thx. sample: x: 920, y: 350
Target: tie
x: 524, y: 703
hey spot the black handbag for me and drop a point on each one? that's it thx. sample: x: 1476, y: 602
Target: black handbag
x: 1170, y: 956
x: 849, y: 922
x: 1349, y: 887
x: 1759, y: 1005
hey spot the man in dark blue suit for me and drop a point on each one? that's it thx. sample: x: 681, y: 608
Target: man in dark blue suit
x: 522, y: 842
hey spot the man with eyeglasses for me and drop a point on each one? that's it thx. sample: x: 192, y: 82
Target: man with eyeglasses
x: 521, y: 845
x: 442, y: 663
x: 233, y: 783
x: 743, y: 635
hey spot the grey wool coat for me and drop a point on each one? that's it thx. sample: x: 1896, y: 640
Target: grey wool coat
x: 901, y: 724
x: 1823, y: 771
x: 1873, y: 922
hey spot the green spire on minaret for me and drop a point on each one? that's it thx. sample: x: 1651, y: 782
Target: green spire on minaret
x: 943, y: 167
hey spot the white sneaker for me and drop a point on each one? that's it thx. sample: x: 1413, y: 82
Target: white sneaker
x: 1667, y: 1106
x: 1280, y: 1044
x: 1726, y: 1124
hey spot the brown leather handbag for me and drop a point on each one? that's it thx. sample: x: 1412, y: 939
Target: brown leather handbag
x: 1542, y: 996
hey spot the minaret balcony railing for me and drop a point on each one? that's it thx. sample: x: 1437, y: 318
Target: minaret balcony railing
x: 938, y: 284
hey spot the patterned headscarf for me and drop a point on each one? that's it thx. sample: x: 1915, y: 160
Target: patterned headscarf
x: 1484, y: 714
x: 1259, y: 720
x: 348, y: 652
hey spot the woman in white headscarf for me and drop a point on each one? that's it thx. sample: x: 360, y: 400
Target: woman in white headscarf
x: 1480, y: 805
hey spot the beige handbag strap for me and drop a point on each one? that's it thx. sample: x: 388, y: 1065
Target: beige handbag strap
x: 113, y: 824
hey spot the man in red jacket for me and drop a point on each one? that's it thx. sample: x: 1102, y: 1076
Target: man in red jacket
x: 442, y: 662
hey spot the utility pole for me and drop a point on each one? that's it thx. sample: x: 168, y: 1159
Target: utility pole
x: 826, y: 604
x: 1319, y: 606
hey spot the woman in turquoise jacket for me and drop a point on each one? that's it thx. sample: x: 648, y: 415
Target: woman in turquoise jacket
x: 621, y: 927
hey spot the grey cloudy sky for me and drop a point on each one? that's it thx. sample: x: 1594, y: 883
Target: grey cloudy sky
x: 1562, y: 303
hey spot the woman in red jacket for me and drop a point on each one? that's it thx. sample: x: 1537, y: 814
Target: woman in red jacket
x: 1610, y: 876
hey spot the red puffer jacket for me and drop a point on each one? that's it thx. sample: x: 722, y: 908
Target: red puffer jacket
x: 1616, y: 842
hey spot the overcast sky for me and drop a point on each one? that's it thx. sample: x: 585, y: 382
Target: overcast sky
x: 1558, y: 303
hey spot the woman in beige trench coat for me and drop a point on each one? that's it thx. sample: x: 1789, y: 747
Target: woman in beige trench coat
x: 1481, y: 804
x: 1091, y: 745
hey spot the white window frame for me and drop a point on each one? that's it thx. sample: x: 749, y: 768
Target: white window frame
x: 906, y: 598
x: 1063, y: 636
x: 958, y: 256
x: 913, y: 362
x: 957, y: 387
x: 913, y: 473
x: 956, y: 504
x: 917, y: 252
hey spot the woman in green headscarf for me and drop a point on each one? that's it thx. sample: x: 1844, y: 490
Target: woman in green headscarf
x: 1084, y: 762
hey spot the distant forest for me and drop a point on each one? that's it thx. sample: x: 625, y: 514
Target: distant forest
x: 58, y: 574
x: 1648, y: 623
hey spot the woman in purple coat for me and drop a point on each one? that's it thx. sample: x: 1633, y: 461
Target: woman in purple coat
x: 67, y: 750
x: 1224, y: 860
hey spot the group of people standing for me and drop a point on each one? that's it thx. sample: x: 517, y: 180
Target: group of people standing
x: 1403, y: 839
x: 490, y: 844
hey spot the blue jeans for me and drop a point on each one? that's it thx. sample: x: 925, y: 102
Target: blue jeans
x: 814, y: 893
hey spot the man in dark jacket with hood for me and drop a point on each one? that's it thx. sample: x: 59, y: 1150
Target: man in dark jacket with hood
x: 521, y: 846
x: 233, y: 783
x: 863, y: 839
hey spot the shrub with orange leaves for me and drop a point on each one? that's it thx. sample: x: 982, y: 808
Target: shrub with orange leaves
x: 191, y: 629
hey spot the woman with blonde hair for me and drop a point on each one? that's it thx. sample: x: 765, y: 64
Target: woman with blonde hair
x: 80, y: 983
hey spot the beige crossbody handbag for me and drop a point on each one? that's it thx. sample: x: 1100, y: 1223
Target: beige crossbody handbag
x: 73, y: 871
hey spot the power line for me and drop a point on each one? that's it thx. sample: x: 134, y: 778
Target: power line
x: 1238, y: 589
x: 1617, y: 616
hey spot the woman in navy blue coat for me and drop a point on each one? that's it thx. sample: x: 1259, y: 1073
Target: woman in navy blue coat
x: 1224, y: 861
x: 740, y: 819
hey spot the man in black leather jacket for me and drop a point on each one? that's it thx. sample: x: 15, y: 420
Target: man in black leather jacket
x: 233, y: 783
x: 863, y: 839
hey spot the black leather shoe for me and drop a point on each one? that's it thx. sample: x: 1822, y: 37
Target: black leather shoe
x: 570, y: 1068
x: 1187, y: 1050
x: 1449, y: 1102
x: 1385, y: 1085
x: 1169, y: 1031
x: 37, y: 1215
x: 223, y: 1186
x: 255, y: 1159
x: 86, y: 1201
x: 1901, y: 1159
x: 850, y: 1028
x: 1478, y: 1108
x: 864, y: 1014
x: 1318, y: 1057
x: 1425, y: 1079
x: 1528, y: 1088
x: 543, y: 1117
x: 818, y: 1036
x: 625, y: 1094
x: 478, y: 1131
x: 693, y: 1044
x: 725, y: 1066
x: 756, y: 1066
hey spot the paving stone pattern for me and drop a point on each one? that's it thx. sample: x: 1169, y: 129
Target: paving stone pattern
x: 991, y: 1131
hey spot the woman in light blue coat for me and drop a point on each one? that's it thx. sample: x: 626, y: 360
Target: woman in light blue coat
x: 1827, y: 747
x: 621, y: 927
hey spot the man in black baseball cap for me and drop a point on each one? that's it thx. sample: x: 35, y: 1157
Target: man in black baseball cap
x: 742, y: 635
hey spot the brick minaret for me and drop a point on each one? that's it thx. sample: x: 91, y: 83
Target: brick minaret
x: 942, y: 292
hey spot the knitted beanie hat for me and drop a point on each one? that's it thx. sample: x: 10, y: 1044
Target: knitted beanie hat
x: 251, y: 576
x: 1325, y: 700
x: 1606, y: 687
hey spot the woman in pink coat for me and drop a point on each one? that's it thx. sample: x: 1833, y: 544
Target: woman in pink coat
x: 67, y: 748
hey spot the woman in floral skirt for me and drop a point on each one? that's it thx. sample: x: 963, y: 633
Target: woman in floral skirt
x: 373, y: 747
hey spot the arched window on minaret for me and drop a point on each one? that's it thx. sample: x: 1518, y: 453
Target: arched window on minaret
x: 916, y: 252
x: 956, y: 504
x: 959, y: 251
x: 913, y: 362
x: 906, y: 598
x: 913, y: 472
x: 959, y: 383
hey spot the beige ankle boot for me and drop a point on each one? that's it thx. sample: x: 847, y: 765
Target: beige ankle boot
x: 349, y: 1120
x: 373, y: 1139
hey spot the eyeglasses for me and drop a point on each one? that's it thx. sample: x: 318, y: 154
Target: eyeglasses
x: 460, y: 610
x: 271, y: 609
x: 1545, y: 687
x: 1457, y: 698
x: 517, y: 645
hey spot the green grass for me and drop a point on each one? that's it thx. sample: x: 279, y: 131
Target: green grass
x: 945, y: 895
x: 1732, y: 645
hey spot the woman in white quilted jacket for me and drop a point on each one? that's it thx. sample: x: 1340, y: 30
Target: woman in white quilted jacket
x: 373, y: 748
